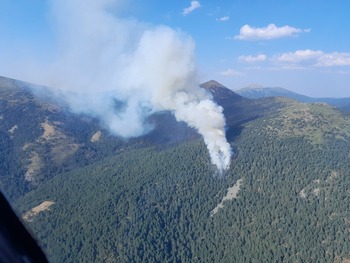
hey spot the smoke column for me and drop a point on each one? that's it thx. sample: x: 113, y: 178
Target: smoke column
x: 105, y: 58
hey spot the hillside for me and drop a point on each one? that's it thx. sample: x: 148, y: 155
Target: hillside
x: 237, y: 109
x: 151, y: 199
x: 256, y: 92
x: 42, y: 138
x: 155, y: 206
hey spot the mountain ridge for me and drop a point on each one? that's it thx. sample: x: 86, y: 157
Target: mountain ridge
x: 263, y: 92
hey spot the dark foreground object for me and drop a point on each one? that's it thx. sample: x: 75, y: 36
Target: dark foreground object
x: 16, y: 244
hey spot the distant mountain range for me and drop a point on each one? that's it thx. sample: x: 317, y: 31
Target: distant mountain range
x: 256, y: 92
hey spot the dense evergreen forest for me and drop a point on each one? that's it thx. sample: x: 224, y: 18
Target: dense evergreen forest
x: 152, y: 205
x: 151, y: 199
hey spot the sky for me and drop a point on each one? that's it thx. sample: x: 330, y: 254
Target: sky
x: 300, y: 45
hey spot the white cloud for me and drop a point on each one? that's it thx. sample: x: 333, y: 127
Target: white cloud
x: 252, y: 59
x: 230, y: 72
x: 299, y: 56
x: 334, y: 59
x: 194, y: 5
x: 223, y: 19
x: 315, y: 58
x: 270, y: 32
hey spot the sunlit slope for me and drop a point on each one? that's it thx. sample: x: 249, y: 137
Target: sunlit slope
x: 155, y: 205
x: 263, y: 92
x: 316, y: 122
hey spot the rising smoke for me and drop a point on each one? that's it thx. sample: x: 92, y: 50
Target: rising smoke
x: 104, y: 58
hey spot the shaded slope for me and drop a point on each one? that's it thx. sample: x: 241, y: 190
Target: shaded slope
x: 237, y: 109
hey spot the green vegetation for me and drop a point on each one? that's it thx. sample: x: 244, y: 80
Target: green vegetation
x: 148, y: 205
x: 316, y: 122
x: 150, y: 199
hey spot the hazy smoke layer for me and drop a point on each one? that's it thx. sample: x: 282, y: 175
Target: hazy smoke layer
x: 105, y: 59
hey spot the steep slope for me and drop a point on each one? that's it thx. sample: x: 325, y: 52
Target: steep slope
x: 41, y: 138
x: 220, y: 92
x: 237, y: 109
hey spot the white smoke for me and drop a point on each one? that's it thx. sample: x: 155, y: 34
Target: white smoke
x: 147, y: 68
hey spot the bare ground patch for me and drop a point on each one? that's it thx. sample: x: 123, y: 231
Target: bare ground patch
x: 12, y: 130
x: 61, y: 145
x: 34, y: 167
x: 232, y: 193
x: 26, y: 146
x: 50, y: 131
x: 29, y: 216
x: 96, y: 137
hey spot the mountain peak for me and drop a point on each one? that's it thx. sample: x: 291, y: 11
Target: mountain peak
x: 221, y: 94
x: 212, y: 84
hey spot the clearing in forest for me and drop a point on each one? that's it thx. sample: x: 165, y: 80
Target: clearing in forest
x: 29, y: 216
x: 231, y: 194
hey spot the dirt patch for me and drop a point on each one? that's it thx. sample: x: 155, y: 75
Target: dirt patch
x: 232, y: 193
x: 49, y: 131
x: 34, y: 167
x: 12, y: 130
x: 61, y: 145
x: 29, y: 216
x: 26, y: 146
x: 339, y: 259
x: 302, y: 193
x: 96, y: 137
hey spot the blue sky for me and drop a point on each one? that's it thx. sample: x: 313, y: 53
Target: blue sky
x: 301, y: 45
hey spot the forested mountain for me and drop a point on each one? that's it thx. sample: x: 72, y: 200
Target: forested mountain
x: 42, y: 138
x: 257, y: 92
x: 91, y: 197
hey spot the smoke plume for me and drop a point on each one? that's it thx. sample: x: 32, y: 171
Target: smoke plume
x: 104, y: 58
